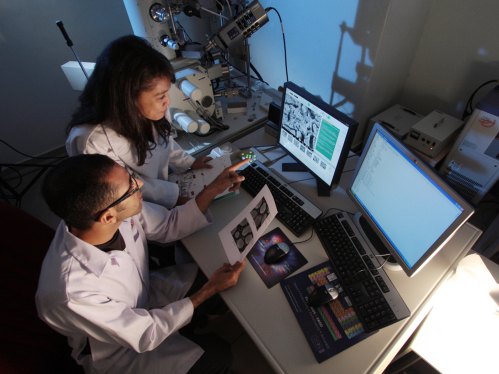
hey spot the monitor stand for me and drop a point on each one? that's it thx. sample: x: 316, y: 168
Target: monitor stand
x: 380, y: 247
x: 322, y: 188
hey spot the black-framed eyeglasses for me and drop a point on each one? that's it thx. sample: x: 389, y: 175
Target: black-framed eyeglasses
x: 124, y: 197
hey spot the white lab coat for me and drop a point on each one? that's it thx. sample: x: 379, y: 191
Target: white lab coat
x: 131, y: 317
x: 154, y: 172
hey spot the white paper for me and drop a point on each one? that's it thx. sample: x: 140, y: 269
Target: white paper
x: 192, y: 182
x: 241, y: 234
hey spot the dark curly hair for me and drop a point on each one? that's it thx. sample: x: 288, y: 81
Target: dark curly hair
x: 126, y: 67
x: 77, y: 189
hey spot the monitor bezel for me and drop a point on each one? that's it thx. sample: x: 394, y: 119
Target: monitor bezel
x: 436, y: 178
x: 335, y: 113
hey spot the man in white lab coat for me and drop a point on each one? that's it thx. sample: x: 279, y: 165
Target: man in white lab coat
x: 95, y: 286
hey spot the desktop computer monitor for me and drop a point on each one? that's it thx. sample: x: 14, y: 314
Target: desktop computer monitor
x: 407, y: 207
x: 316, y: 135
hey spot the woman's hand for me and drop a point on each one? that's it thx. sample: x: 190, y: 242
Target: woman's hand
x: 201, y: 162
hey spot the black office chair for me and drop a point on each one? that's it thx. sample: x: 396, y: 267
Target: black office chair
x: 27, y: 344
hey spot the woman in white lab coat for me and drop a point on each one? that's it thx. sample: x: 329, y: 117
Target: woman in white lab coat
x: 123, y: 113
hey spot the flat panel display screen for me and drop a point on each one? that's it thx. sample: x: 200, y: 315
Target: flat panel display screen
x: 315, y: 134
x: 412, y: 210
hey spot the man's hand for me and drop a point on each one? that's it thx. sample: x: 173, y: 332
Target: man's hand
x: 227, y: 178
x: 201, y: 163
x: 222, y: 279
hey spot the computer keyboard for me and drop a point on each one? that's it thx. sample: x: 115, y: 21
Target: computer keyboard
x: 368, y: 289
x: 293, y: 209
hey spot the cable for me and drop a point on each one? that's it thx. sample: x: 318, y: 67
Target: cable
x: 242, y: 72
x: 185, y: 32
x: 272, y: 162
x: 325, y: 214
x: 18, y: 174
x: 38, y: 158
x: 236, y: 339
x: 306, y: 240
x: 221, y: 6
x: 383, y: 264
x: 216, y: 14
x: 301, y: 180
x: 284, y: 40
x: 468, y: 109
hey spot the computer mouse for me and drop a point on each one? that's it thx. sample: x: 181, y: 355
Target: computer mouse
x: 322, y: 295
x: 275, y: 253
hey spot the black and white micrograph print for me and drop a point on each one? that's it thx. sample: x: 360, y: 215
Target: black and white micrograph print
x: 323, y: 165
x: 316, y: 159
x: 260, y: 213
x: 309, y: 154
x: 302, y: 122
x: 242, y: 235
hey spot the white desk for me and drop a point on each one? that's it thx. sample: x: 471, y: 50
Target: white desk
x: 265, y: 313
x: 460, y: 333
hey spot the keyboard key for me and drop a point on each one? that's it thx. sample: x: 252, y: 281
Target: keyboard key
x: 362, y: 281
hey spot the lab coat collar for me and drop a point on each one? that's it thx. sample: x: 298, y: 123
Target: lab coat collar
x: 89, y: 256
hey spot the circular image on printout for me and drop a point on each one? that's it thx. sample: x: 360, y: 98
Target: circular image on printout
x: 260, y: 213
x: 242, y: 235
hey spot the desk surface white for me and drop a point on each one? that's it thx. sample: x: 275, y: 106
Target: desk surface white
x: 267, y: 317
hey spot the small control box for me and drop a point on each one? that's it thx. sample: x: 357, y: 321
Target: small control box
x: 397, y: 119
x: 433, y: 133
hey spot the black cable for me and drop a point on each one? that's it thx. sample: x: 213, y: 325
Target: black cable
x: 242, y: 72
x: 183, y: 30
x: 306, y: 240
x: 468, y: 109
x: 39, y: 158
x: 346, y: 171
x: 257, y: 73
x: 19, y: 175
x: 284, y: 40
x: 236, y: 339
x: 493, y: 216
x: 301, y: 180
x: 325, y: 214
x: 383, y: 264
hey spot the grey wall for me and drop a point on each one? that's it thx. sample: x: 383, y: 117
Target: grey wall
x: 458, y: 52
x: 355, y: 55
x: 361, y: 56
x: 36, y: 98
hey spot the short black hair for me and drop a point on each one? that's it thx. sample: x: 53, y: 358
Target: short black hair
x: 77, y: 189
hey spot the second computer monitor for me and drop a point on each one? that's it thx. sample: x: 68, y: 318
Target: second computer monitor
x: 404, y: 201
x: 316, y: 135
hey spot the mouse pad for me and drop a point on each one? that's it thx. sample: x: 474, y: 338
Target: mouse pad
x: 330, y: 328
x: 273, y: 274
